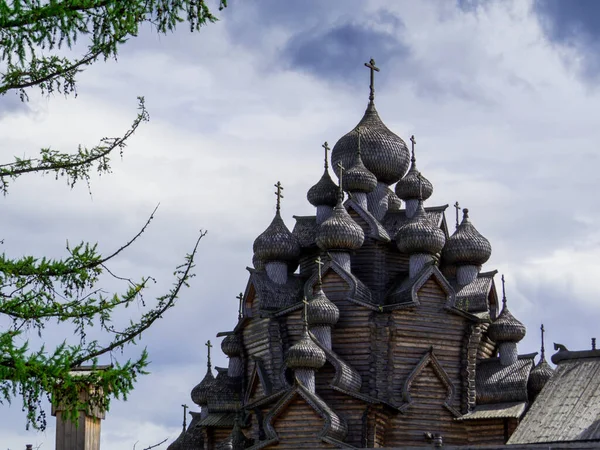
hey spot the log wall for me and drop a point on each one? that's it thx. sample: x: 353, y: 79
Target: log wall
x: 298, y: 427
x: 413, y: 332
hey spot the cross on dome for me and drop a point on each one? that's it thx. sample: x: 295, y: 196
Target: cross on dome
x: 327, y: 149
x: 240, y: 297
x: 371, y: 65
x: 279, y: 194
x: 457, y: 207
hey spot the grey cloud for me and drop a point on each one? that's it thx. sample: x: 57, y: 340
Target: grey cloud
x: 338, y: 53
x: 574, y: 24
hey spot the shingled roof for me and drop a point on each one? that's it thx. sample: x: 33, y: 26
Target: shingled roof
x: 568, y: 408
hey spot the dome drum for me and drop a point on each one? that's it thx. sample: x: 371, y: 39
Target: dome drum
x: 378, y: 201
x: 277, y: 271
x: 323, y: 213
x: 508, y: 353
x: 360, y: 198
x: 416, y: 262
x: 411, y: 207
x: 466, y: 274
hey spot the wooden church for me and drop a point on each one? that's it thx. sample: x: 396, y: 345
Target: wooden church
x: 371, y: 324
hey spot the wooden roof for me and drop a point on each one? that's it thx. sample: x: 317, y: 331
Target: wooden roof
x: 568, y: 408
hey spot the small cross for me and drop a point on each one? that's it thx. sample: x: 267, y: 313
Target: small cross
x: 319, y: 265
x: 209, y: 345
x: 414, y: 142
x: 326, y: 147
x: 358, y: 132
x: 305, y: 311
x: 457, y: 206
x: 371, y: 65
x: 341, y: 169
x: 542, y: 352
x: 185, y: 408
x: 279, y: 194
x: 241, y: 299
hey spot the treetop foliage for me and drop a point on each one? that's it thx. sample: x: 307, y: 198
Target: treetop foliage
x: 35, y: 38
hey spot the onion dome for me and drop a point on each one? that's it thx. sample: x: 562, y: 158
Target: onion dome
x: 232, y: 345
x: 258, y: 263
x: 414, y: 185
x: 466, y: 245
x: 383, y: 152
x: 277, y: 243
x: 394, y: 202
x: 324, y: 193
x: 321, y: 310
x: 539, y: 376
x: 541, y: 373
x: 200, y: 392
x: 358, y: 178
x: 340, y: 231
x: 506, y: 328
x: 305, y: 354
x: 420, y: 235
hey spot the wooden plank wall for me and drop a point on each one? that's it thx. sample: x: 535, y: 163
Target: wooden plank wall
x: 85, y: 435
x: 486, y: 432
x: 298, y: 427
x: 351, y: 338
x: 413, y: 332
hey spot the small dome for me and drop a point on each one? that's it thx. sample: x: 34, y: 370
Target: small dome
x: 466, y: 245
x: 305, y: 354
x: 276, y: 243
x: 200, y: 392
x: 383, y: 153
x: 408, y: 187
x: 324, y: 193
x: 358, y: 178
x: 539, y: 376
x: 232, y: 345
x: 506, y: 328
x: 394, y: 202
x: 322, y: 311
x: 420, y: 235
x: 340, y: 231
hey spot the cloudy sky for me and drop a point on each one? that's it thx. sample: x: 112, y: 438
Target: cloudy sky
x: 501, y: 95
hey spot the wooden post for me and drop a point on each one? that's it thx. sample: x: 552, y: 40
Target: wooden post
x: 85, y: 433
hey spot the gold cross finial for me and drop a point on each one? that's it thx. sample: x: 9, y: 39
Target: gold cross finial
x: 371, y: 65
x: 241, y: 300
x: 279, y: 194
x: 209, y: 345
x: 326, y: 147
x: 457, y: 207
x: 319, y: 265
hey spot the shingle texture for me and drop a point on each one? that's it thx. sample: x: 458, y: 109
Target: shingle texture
x: 502, y: 384
x: 568, y: 408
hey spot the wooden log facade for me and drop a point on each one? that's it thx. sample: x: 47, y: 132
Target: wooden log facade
x: 413, y: 355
